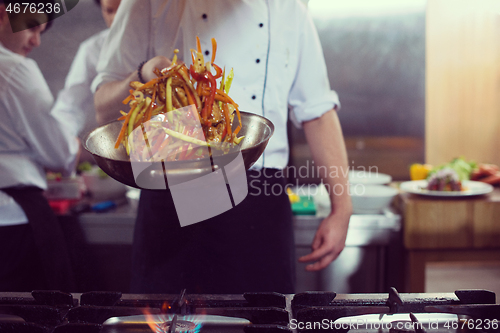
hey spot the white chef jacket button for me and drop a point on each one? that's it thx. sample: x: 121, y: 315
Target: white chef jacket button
x: 257, y: 60
x: 254, y: 97
x: 261, y: 25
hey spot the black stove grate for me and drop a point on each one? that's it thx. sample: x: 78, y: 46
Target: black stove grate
x: 59, y: 312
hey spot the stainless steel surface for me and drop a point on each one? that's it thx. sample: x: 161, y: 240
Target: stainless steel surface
x: 364, y: 230
x: 375, y: 56
x: 372, y: 248
x: 376, y: 63
x: 114, y: 227
x: 371, y: 251
x: 116, y: 163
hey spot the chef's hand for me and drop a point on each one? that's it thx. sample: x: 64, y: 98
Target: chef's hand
x: 159, y: 62
x: 328, y: 242
x: 109, y: 96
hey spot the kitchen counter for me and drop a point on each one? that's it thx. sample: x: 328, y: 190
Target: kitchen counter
x: 448, y: 229
x: 116, y: 227
x: 369, y: 263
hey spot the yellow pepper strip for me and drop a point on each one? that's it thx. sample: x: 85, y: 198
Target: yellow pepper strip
x: 174, y: 59
x: 229, y: 80
x: 168, y: 100
x: 187, y: 138
x: 134, y: 113
x: 149, y: 110
x: 140, y: 116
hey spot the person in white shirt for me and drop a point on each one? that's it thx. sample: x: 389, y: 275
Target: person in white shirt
x: 32, y: 247
x: 278, y: 64
x: 75, y: 102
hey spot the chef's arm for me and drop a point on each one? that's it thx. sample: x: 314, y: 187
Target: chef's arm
x: 109, y: 96
x: 326, y: 142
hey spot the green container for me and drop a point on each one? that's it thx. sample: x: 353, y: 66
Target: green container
x: 305, y: 206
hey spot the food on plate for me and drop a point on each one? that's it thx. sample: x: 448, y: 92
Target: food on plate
x: 182, y: 114
x: 419, y: 171
x: 445, y: 179
x: 460, y: 165
x: 486, y: 173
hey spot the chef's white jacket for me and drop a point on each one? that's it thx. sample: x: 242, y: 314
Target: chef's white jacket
x: 31, y: 137
x: 272, y: 46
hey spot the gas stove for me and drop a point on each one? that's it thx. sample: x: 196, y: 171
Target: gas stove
x: 113, y: 312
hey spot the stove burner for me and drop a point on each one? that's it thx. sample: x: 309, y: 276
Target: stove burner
x: 175, y: 325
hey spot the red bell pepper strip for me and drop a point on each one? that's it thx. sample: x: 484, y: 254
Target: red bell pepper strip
x: 218, y: 71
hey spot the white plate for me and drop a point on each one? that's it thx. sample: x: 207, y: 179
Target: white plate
x: 471, y: 188
x: 368, y: 177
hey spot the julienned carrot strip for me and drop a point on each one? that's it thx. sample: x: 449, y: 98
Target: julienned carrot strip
x: 228, y: 119
x: 214, y: 49
x: 235, y: 106
x: 184, y: 73
x: 192, y: 102
x: 191, y: 153
x: 200, y: 88
x: 198, y: 44
x: 188, y: 94
x: 122, y: 130
x: 149, y: 84
x: 126, y: 100
x: 237, y: 130
x: 238, y: 114
x: 164, y: 143
x: 222, y: 99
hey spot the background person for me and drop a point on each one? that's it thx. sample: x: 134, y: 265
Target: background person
x: 76, y: 101
x: 33, y: 252
x: 278, y: 62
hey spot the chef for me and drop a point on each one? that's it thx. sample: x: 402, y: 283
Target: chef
x: 33, y: 253
x: 75, y: 103
x: 278, y: 63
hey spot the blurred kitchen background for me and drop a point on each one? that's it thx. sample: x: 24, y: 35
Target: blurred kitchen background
x: 375, y: 54
x: 418, y: 81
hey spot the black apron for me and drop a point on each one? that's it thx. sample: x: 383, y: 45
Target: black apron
x: 49, y: 261
x: 248, y: 248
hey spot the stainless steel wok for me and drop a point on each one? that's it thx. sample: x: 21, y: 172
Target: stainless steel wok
x: 116, y: 163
